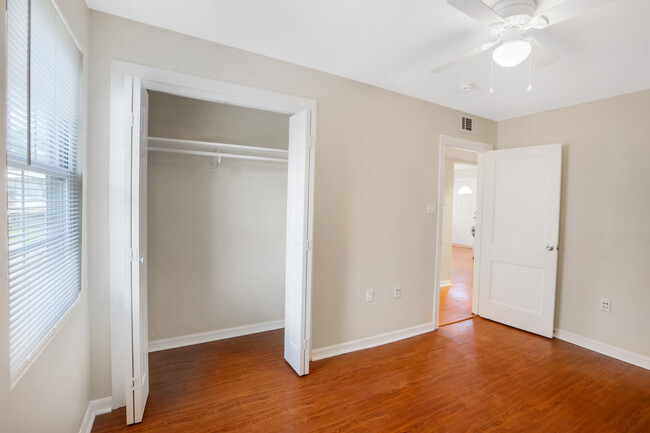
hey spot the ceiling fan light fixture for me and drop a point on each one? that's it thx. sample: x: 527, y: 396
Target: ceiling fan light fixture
x: 511, y: 53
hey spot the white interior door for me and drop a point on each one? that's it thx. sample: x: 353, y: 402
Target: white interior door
x: 296, y: 338
x: 464, y: 211
x: 520, y: 231
x: 138, y: 383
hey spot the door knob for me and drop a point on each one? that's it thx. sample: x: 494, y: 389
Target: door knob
x: 142, y: 258
x: 550, y: 247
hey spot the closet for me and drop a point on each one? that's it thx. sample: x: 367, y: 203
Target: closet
x: 216, y: 220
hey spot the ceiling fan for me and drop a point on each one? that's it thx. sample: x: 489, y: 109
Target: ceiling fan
x: 508, y: 21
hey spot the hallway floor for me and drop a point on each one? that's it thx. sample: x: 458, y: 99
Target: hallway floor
x: 456, y: 300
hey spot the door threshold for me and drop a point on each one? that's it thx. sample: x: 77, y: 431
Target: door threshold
x: 458, y: 321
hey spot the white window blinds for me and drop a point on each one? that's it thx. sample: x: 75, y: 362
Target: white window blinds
x: 44, y: 126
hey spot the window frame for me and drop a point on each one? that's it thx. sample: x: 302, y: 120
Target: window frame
x: 71, y: 178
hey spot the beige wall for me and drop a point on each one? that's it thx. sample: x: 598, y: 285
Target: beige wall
x: 192, y: 119
x: 604, y: 230
x: 53, y: 394
x: 376, y: 168
x: 216, y: 241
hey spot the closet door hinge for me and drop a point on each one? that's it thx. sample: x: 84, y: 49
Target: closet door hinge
x: 308, y: 245
x: 305, y: 346
x: 133, y: 119
x: 311, y: 141
x: 132, y: 255
x: 134, y: 384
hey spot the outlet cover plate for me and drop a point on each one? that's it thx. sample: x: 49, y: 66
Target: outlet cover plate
x: 606, y: 305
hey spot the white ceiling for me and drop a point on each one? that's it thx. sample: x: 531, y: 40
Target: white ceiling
x: 394, y: 43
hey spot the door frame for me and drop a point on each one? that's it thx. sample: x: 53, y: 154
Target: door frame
x: 119, y: 232
x: 472, y: 146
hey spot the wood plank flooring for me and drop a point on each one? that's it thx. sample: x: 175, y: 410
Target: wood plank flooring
x: 456, y: 300
x: 474, y: 375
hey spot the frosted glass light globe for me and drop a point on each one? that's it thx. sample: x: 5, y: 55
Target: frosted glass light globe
x: 511, y: 53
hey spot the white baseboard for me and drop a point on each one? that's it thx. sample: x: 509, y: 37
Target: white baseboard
x: 205, y: 337
x: 445, y: 283
x: 605, y: 349
x: 95, y: 407
x: 375, y: 340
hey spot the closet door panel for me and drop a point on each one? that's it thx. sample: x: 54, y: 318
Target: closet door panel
x: 295, y: 338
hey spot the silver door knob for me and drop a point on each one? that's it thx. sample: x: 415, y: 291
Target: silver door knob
x: 550, y: 247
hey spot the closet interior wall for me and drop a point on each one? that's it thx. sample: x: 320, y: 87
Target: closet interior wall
x: 216, y: 238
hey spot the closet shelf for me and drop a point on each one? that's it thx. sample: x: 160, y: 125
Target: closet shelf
x: 218, y: 150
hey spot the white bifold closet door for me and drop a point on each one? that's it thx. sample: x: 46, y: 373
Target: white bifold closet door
x: 296, y: 338
x: 138, y: 385
x: 520, y: 231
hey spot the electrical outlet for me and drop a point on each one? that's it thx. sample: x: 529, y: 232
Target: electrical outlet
x: 606, y: 305
x: 370, y: 295
x: 397, y: 292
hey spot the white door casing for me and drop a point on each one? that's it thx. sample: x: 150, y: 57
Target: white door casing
x: 296, y: 344
x: 138, y: 387
x: 520, y: 233
x: 121, y: 275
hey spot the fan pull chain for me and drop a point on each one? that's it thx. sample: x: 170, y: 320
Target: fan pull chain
x: 530, y: 81
x: 491, y: 76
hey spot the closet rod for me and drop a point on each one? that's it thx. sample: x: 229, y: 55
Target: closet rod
x: 217, y: 154
x: 211, y: 145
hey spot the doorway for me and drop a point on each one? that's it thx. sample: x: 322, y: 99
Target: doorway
x: 517, y: 232
x: 455, y: 296
x: 130, y: 85
x: 459, y: 228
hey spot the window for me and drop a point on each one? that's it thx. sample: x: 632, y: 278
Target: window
x: 463, y: 190
x: 44, y: 126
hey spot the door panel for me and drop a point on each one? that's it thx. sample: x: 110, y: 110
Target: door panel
x: 138, y: 389
x: 295, y: 335
x: 521, y: 208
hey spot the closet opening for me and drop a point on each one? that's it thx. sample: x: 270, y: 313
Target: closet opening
x: 210, y: 219
x: 216, y: 220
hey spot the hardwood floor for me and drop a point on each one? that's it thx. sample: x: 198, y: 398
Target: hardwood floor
x: 456, y: 300
x: 474, y: 375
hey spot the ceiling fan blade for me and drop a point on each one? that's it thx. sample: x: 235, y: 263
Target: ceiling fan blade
x: 570, y: 9
x: 541, y: 55
x: 469, y: 54
x: 477, y: 10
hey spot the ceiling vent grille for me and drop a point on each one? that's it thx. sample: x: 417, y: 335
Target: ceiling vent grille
x: 468, y: 124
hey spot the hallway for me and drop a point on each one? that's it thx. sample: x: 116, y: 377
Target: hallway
x: 456, y: 300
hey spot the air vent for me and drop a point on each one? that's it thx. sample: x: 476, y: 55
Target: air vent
x: 468, y: 124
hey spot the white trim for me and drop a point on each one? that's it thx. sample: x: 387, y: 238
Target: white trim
x: 605, y: 349
x: 472, y: 146
x: 368, y: 342
x: 95, y: 407
x: 120, y: 186
x: 445, y: 283
x: 220, y: 334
